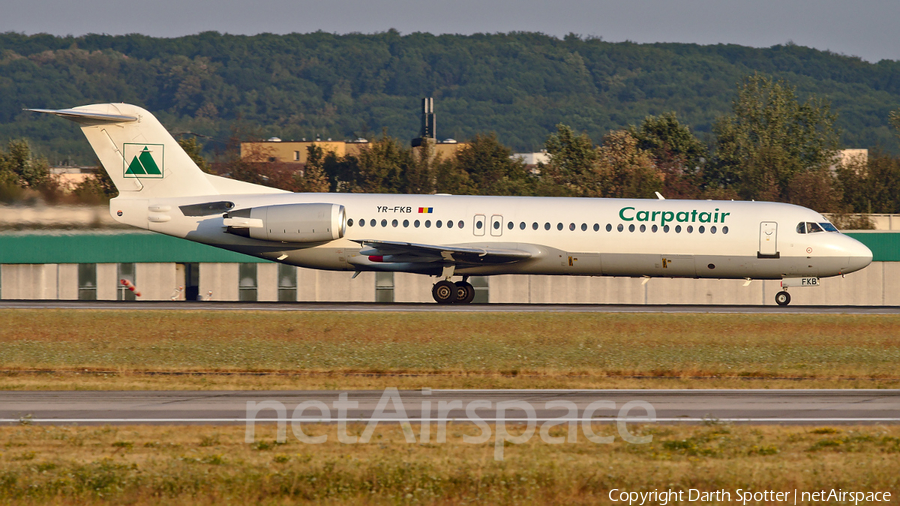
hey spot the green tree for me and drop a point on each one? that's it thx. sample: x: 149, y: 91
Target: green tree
x: 383, y: 167
x: 769, y: 139
x: 312, y: 178
x: 570, y: 171
x: 625, y: 170
x: 489, y: 169
x: 96, y: 189
x: 194, y: 149
x: 668, y: 140
x: 872, y: 186
x: 18, y: 166
x: 676, y: 152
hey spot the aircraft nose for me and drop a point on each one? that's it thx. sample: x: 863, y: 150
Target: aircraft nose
x: 860, y: 255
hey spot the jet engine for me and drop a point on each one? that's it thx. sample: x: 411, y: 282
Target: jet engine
x: 289, y: 222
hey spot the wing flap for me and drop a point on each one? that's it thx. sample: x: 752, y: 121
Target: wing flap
x: 463, y: 254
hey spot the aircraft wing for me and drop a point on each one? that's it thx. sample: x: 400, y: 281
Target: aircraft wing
x: 390, y: 251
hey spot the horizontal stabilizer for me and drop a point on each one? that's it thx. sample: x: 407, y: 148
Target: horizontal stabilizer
x: 86, y: 116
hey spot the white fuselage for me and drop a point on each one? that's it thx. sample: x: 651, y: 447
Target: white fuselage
x: 566, y: 236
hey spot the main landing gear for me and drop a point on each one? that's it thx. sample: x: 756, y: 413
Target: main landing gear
x: 448, y: 292
x: 782, y: 298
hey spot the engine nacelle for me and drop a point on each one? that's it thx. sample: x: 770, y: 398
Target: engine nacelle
x: 289, y: 222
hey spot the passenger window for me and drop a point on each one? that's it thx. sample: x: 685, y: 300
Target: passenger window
x: 597, y: 227
x: 571, y: 226
x: 449, y: 223
x: 666, y: 229
x: 510, y: 225
x: 655, y: 228
x: 801, y: 228
x: 362, y: 223
x: 438, y: 224
x: 724, y: 230
x: 690, y: 228
x: 559, y: 226
x: 372, y: 222
x: 534, y: 226
x: 701, y: 229
x: 427, y: 223
x: 546, y: 226
x: 583, y: 227
x: 643, y: 228
x: 460, y: 224
x: 496, y: 225
x: 620, y: 227
x: 631, y: 227
x: 522, y: 226
x: 417, y: 223
x: 383, y: 223
x: 405, y: 223
x: 608, y: 227
x: 478, y: 225
x: 712, y: 230
x: 677, y: 229
x: 394, y: 223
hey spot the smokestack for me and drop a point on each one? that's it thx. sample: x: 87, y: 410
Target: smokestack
x: 427, y: 130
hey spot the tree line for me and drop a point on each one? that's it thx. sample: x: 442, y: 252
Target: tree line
x: 771, y: 146
x: 518, y: 85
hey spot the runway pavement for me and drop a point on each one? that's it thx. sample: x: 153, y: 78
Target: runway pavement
x: 808, y: 407
x: 432, y: 307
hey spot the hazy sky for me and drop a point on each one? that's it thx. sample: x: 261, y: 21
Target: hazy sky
x: 864, y: 28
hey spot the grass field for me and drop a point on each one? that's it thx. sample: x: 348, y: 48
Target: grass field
x: 151, y: 349
x: 213, y: 465
x: 61, y: 349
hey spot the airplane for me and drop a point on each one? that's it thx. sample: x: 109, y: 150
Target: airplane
x: 162, y: 190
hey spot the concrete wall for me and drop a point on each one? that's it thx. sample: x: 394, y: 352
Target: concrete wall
x: 267, y: 282
x: 29, y: 281
x: 220, y: 279
x: 329, y: 286
x: 873, y: 286
x: 156, y: 281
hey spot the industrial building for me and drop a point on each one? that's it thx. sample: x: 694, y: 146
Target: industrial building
x: 276, y: 150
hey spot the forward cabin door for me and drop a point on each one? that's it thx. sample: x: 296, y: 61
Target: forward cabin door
x: 768, y: 240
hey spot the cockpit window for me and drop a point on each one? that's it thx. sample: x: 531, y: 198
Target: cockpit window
x: 810, y: 227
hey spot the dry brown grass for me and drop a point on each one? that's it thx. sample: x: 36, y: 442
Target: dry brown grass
x: 213, y: 465
x: 440, y: 350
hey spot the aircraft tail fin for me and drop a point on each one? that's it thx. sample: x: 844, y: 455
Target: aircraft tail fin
x: 141, y: 157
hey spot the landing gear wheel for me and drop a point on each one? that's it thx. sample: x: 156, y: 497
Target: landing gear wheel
x: 465, y: 292
x: 444, y: 292
x: 782, y: 298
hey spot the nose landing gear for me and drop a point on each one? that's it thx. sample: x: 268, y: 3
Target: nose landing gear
x: 782, y: 298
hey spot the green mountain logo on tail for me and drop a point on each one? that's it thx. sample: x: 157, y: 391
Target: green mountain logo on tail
x: 143, y: 160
